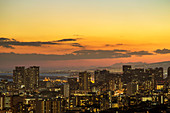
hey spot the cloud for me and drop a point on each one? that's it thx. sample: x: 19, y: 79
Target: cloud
x: 4, y: 39
x: 8, y: 46
x: 162, y: 51
x: 64, y: 40
x: 77, y: 45
x: 81, y: 54
x: 9, y: 43
x: 99, y: 54
x: 114, y: 45
x: 140, y: 53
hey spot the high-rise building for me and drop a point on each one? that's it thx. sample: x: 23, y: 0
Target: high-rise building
x: 51, y: 105
x: 84, y: 80
x: 66, y: 90
x: 127, y: 68
x: 132, y: 88
x: 138, y: 74
x: 28, y: 78
x: 31, y: 80
x: 1, y: 102
x: 127, y: 75
x: 73, y: 83
x: 149, y: 73
x: 115, y: 83
x: 101, y: 75
x: 159, y: 74
x: 168, y: 72
x: 18, y: 76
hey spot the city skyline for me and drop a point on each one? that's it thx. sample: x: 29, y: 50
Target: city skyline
x: 59, y: 34
x: 135, y: 90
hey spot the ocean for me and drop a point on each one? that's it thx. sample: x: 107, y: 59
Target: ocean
x: 8, y: 76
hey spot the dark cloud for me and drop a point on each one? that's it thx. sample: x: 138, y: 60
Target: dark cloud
x: 114, y: 45
x: 119, y: 50
x: 81, y: 54
x: 119, y: 44
x: 140, y: 53
x: 162, y: 51
x: 9, y: 43
x: 64, y: 40
x: 99, y: 54
x: 77, y: 45
x: 4, y: 39
x: 8, y: 46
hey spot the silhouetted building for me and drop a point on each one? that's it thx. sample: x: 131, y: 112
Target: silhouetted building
x: 84, y: 80
x: 168, y: 72
x: 26, y: 78
x: 31, y: 80
x: 150, y: 73
x: 127, y: 75
x: 132, y: 88
x: 101, y: 76
x: 155, y: 75
x: 18, y: 76
x: 115, y: 83
x: 73, y: 83
x: 159, y: 74
x: 127, y: 68
x: 138, y: 74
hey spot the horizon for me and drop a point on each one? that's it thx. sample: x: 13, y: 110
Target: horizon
x: 116, y: 67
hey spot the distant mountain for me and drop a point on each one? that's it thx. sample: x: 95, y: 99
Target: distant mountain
x: 117, y: 67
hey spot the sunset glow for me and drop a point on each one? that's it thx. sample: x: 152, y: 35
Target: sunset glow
x: 140, y: 27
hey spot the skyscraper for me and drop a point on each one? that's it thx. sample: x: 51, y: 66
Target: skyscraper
x: 67, y: 90
x: 168, y: 73
x: 31, y: 80
x: 127, y: 73
x: 28, y: 78
x: 18, y: 76
x: 84, y: 80
x: 101, y: 75
x: 73, y: 83
x: 159, y: 74
x: 127, y: 68
x: 132, y: 88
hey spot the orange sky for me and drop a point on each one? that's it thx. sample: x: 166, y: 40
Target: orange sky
x: 96, y: 25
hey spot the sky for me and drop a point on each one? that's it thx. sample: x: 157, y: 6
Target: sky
x: 61, y: 34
